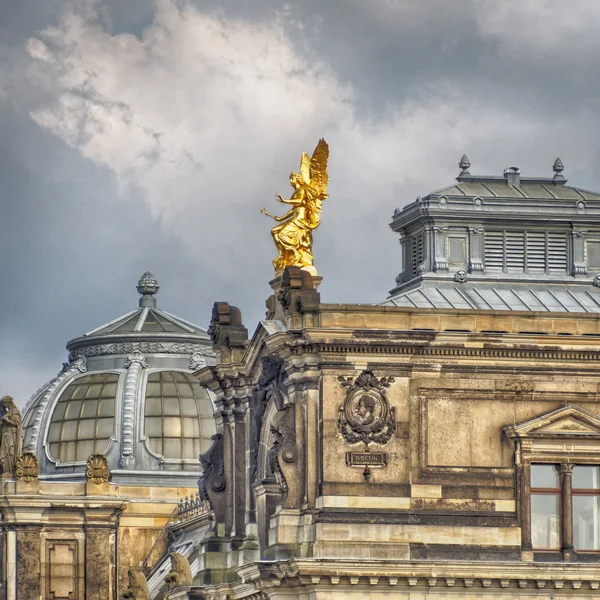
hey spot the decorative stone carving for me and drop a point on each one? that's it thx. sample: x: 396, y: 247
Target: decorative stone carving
x: 181, y: 573
x: 11, y: 443
x: 283, y: 449
x: 366, y: 415
x: 212, y: 480
x: 460, y: 276
x: 197, y: 361
x: 269, y: 386
x: 96, y: 469
x: 134, y: 364
x: 138, y: 586
x: 597, y: 281
x: 148, y: 347
x: 298, y: 293
x: 27, y: 467
x: 226, y: 328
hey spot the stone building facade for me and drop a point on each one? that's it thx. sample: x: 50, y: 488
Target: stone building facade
x: 444, y: 443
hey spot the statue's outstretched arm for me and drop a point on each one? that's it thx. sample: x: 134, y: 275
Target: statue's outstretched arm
x: 291, y: 200
x: 278, y: 219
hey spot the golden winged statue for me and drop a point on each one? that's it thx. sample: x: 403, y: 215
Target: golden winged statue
x: 293, y: 235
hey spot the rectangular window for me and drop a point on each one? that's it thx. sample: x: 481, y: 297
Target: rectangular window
x: 586, y: 507
x: 545, y: 507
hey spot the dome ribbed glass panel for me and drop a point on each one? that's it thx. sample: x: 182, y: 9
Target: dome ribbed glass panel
x: 178, y: 418
x: 29, y: 419
x: 83, y: 419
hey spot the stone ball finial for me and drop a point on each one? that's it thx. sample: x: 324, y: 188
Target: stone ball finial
x: 464, y: 165
x: 147, y: 286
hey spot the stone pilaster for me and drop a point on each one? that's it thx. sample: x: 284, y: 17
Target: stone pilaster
x: 100, y: 564
x: 28, y: 562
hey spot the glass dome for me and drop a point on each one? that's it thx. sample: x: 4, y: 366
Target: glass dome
x: 178, y: 416
x: 128, y: 392
x: 83, y: 419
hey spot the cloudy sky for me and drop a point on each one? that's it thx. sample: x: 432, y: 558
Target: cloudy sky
x: 146, y: 135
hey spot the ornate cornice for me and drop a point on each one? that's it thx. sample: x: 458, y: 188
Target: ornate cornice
x: 149, y: 347
x: 464, y: 577
x: 375, y: 347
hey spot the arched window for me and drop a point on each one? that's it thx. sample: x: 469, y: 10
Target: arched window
x: 83, y: 419
x: 178, y: 417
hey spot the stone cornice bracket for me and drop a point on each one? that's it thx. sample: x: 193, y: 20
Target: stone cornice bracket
x: 212, y: 482
x: 134, y: 365
x: 296, y: 298
x: 227, y: 332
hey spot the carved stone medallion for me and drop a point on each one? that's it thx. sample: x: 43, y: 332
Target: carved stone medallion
x: 366, y: 415
x: 27, y: 467
x: 96, y: 469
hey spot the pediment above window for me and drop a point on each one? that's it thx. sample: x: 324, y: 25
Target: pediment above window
x: 569, y: 421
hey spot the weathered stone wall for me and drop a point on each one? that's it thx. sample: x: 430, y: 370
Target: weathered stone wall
x: 135, y: 543
x: 100, y: 580
x: 28, y: 562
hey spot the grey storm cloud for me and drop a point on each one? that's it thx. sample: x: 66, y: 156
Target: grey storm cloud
x: 147, y: 135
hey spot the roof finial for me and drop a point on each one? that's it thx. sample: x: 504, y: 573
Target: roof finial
x: 464, y: 164
x: 147, y: 287
x: 558, y: 168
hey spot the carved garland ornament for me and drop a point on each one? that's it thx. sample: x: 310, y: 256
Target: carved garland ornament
x: 96, y: 469
x: 27, y: 467
x: 366, y: 415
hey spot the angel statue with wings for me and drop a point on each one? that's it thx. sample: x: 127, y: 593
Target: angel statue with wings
x: 293, y: 236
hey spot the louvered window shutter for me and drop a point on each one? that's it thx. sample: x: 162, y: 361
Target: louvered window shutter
x: 417, y: 252
x: 515, y: 251
x: 494, y: 250
x: 557, y: 252
x: 536, y: 251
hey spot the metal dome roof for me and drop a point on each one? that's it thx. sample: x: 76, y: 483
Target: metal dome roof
x: 146, y: 324
x: 128, y: 391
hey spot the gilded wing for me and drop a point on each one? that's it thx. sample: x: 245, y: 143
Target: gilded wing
x: 318, y: 169
x: 305, y: 168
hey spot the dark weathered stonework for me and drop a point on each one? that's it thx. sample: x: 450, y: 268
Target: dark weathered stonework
x: 212, y: 482
x: 28, y: 567
x: 100, y: 571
